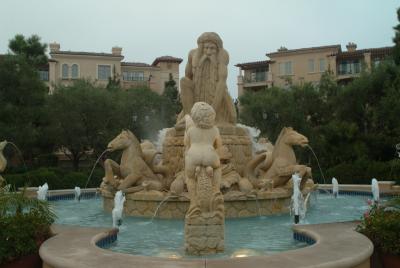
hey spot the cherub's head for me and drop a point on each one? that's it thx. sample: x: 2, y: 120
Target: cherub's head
x: 203, y: 115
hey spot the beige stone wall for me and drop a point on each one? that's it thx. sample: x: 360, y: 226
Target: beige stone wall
x: 300, y: 66
x: 176, y: 208
x: 87, y: 66
x: 166, y: 68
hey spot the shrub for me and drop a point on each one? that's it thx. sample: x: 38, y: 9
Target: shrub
x: 361, y: 171
x: 55, y: 177
x: 381, y: 224
x: 24, y: 224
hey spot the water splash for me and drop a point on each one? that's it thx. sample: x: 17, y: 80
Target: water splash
x: 297, y: 201
x: 375, y: 190
x: 91, y: 172
x: 77, y: 191
x: 160, y: 139
x: 42, y: 192
x: 335, y: 187
x: 253, y: 133
x: 119, y: 201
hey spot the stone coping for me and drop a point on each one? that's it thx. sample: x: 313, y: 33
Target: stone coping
x: 336, y: 245
x: 385, y: 187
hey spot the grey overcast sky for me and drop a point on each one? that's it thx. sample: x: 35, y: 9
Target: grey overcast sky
x: 147, y: 29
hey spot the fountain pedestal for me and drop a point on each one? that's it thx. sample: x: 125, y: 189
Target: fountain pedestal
x: 204, y: 236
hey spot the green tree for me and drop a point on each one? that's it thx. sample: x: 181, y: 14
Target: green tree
x: 173, y: 104
x: 396, y: 40
x: 84, y: 118
x: 144, y: 112
x: 30, y: 48
x: 22, y: 98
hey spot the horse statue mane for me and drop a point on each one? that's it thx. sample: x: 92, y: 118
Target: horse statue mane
x: 134, y: 140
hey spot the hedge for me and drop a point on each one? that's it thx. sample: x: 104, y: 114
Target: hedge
x: 56, y: 178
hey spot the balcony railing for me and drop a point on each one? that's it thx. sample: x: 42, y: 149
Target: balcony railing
x: 260, y: 77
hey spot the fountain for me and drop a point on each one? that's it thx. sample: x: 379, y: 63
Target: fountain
x: 77, y: 191
x: 119, y: 201
x: 208, y: 168
x: 335, y: 187
x: 297, y: 199
x: 375, y: 190
x: 42, y: 192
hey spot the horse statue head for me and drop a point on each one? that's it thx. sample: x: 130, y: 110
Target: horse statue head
x: 291, y: 137
x: 123, y: 141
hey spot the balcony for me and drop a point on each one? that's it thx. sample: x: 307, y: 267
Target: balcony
x: 257, y: 79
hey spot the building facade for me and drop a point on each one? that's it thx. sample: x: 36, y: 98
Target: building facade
x: 66, y: 66
x: 296, y: 66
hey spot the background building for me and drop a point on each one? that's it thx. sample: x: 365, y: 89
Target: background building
x: 66, y: 66
x: 296, y: 66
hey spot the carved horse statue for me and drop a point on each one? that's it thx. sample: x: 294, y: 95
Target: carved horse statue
x: 133, y: 173
x: 278, y: 166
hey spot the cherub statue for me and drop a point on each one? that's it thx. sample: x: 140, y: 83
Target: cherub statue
x: 202, y: 163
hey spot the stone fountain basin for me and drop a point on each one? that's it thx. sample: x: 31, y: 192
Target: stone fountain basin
x: 237, y: 205
x: 336, y: 245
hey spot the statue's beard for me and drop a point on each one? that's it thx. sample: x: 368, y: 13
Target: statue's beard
x: 212, y: 59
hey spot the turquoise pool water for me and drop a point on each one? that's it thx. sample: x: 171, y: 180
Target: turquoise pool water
x: 247, y: 236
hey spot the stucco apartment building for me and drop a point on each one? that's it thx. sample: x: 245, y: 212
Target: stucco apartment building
x: 66, y: 66
x: 296, y: 66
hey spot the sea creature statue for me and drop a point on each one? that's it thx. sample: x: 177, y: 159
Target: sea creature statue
x: 232, y: 184
x: 3, y: 161
x: 277, y: 167
x: 133, y: 173
x: 204, y: 221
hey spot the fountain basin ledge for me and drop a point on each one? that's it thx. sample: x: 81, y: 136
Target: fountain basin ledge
x: 336, y: 245
x: 146, y: 203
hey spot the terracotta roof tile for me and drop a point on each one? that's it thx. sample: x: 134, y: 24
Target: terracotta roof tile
x: 102, y: 54
x: 375, y: 52
x: 166, y: 59
x: 136, y: 64
x: 248, y: 65
x: 283, y: 52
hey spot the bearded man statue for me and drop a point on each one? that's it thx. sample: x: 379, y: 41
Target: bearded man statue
x: 205, y: 79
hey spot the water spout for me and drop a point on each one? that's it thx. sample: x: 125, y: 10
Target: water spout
x: 77, y: 191
x: 158, y: 207
x: 95, y: 163
x: 335, y: 187
x: 316, y: 158
x: 375, y: 190
x: 42, y: 192
x: 119, y: 201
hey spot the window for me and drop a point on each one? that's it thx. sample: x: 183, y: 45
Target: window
x: 44, y: 75
x: 350, y: 67
x: 65, y: 71
x: 103, y: 72
x: 285, y: 68
x: 133, y: 76
x: 74, y: 71
x: 311, y: 67
x: 322, y: 66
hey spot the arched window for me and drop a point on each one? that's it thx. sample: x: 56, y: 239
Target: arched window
x: 74, y: 71
x: 65, y: 71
